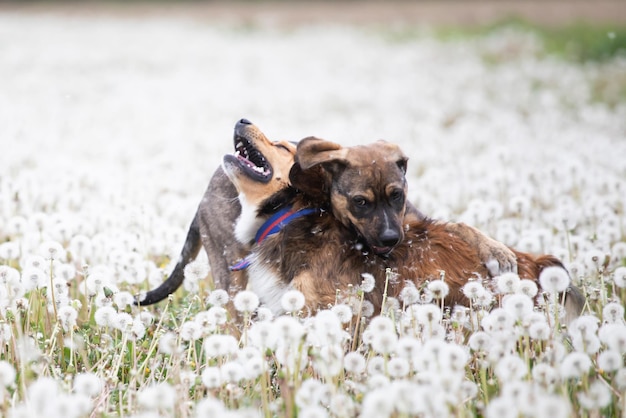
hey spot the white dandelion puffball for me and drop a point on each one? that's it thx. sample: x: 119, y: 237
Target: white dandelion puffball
x: 554, y: 279
x: 292, y: 301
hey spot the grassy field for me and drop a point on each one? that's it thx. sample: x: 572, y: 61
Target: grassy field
x: 111, y: 128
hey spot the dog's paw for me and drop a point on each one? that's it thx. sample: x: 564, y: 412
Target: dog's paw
x: 497, y: 257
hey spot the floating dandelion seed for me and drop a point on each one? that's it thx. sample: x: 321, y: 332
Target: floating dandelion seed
x: 292, y: 301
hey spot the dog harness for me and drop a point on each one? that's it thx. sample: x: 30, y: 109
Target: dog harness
x: 272, y: 226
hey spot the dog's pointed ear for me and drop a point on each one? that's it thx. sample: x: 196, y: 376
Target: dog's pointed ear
x: 313, y: 151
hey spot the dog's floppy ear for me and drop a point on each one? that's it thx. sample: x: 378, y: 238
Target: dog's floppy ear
x: 312, y: 151
x: 313, y: 161
x: 394, y: 153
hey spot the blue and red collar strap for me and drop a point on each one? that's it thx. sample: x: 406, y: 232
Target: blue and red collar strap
x: 272, y: 226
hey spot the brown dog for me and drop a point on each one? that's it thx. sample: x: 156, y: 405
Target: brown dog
x: 344, y: 215
x: 220, y: 210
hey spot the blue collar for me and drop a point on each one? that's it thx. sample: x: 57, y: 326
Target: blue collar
x: 272, y: 226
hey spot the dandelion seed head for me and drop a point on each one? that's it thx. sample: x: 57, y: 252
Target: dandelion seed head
x: 292, y: 301
x: 554, y: 279
x: 574, y: 365
x: 539, y: 331
x: 211, y: 377
x: 368, y: 283
x: 510, y: 368
x: 613, y: 313
x: 343, y: 312
x: 305, y: 396
x: 409, y: 294
x: 67, y: 316
x: 518, y: 305
x: 473, y: 289
x: 217, y: 315
x: 507, y: 283
x: 7, y: 374
x: 598, y: 396
x: 527, y: 287
x: 479, y: 341
x: 398, y: 367
x: 123, y: 299
x: 354, y: 362
x: 88, y: 384
x: 220, y: 345
x: 105, y: 316
x: 246, y: 301
x: 376, y: 365
x: 218, y: 297
x: 619, y: 277
x: 232, y: 372
x: 158, y: 397
x: 610, y: 360
x: 439, y: 289
x: 545, y: 375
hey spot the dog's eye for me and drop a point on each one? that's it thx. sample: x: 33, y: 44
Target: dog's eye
x: 396, y: 195
x: 359, y: 201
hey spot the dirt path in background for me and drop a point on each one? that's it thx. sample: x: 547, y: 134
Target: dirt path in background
x: 427, y: 12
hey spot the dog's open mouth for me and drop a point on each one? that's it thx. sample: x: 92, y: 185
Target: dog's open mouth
x: 251, y: 160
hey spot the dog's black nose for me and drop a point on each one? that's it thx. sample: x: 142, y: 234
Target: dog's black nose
x: 245, y: 121
x: 389, y: 238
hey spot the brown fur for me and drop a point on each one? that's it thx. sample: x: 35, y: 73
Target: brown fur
x: 327, y: 253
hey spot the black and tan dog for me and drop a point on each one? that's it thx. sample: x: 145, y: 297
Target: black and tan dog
x: 267, y: 163
x: 345, y: 214
x: 227, y: 220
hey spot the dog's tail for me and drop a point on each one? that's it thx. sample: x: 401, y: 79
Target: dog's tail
x: 192, y: 246
x: 574, y: 298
